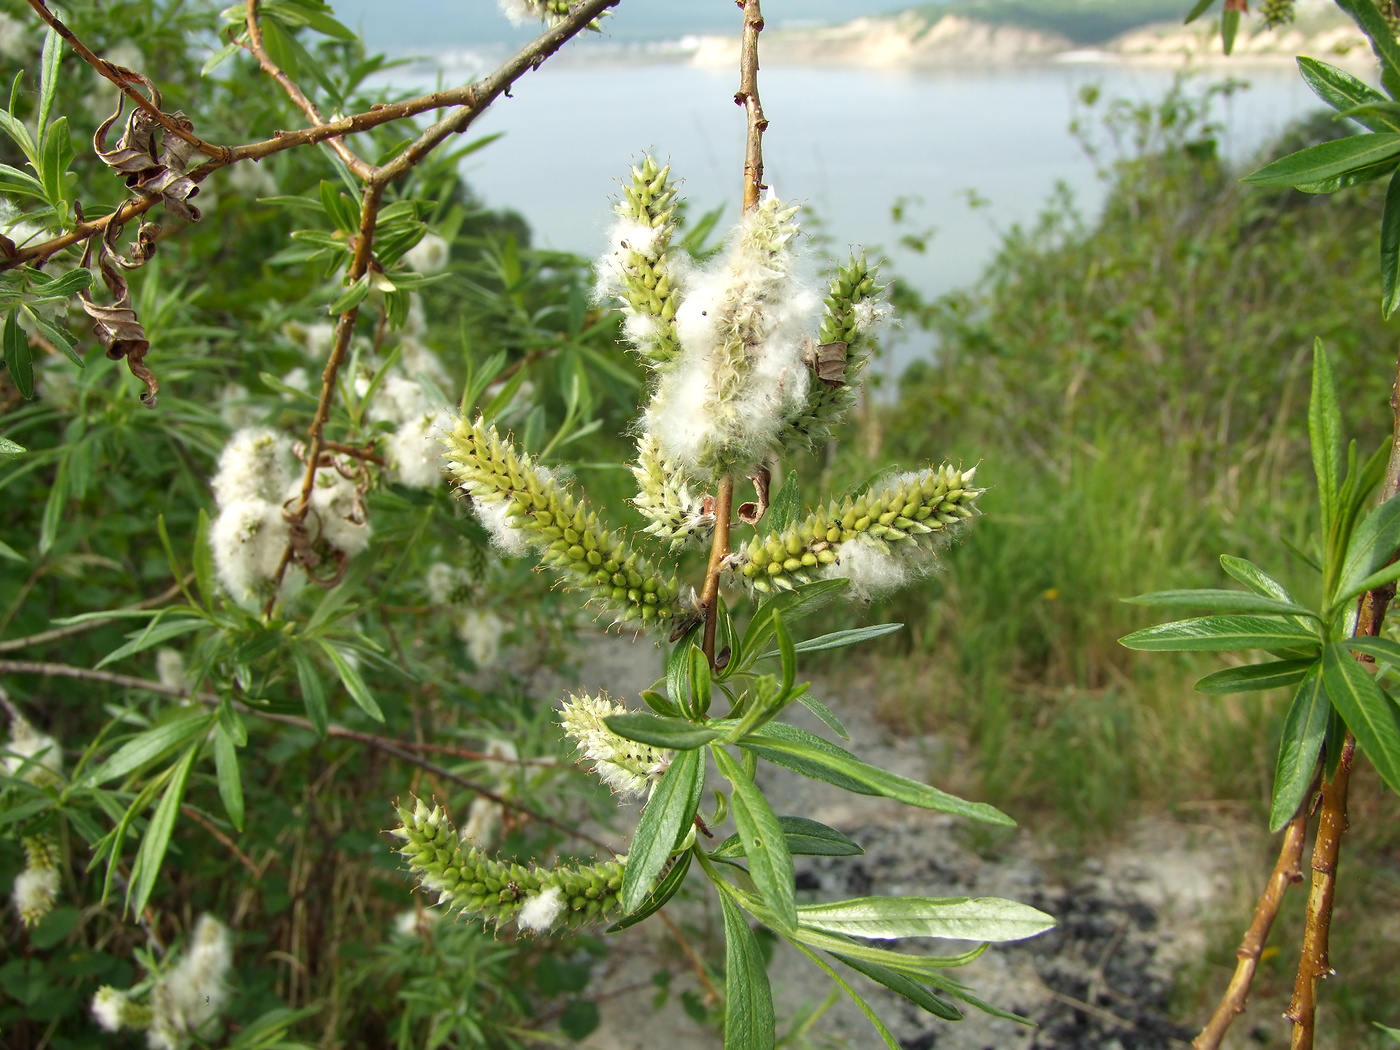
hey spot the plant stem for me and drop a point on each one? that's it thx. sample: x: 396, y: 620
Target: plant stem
x: 719, y: 550
x: 10, y: 645
x: 1287, y: 872
x: 747, y: 96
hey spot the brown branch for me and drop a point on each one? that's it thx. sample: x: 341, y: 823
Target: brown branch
x: 747, y: 96
x: 719, y: 551
x: 12, y: 645
x: 254, y: 45
x: 398, y: 748
x: 473, y: 98
x: 208, y: 825
x: 113, y: 73
x: 1287, y: 872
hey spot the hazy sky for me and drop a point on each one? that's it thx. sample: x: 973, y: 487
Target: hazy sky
x: 443, y: 24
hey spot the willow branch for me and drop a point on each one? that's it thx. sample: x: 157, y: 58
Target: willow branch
x: 719, y: 551
x: 398, y: 748
x: 747, y: 96
x: 1287, y: 872
x: 113, y: 73
x: 254, y: 46
x: 11, y: 645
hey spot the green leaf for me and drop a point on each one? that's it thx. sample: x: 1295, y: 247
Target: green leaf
x: 1373, y: 543
x: 57, y: 336
x: 1222, y: 601
x: 351, y: 297
x: 9, y: 449
x: 1304, y: 729
x: 698, y: 682
x: 748, y: 1010
x: 354, y: 684
x: 17, y: 357
x: 765, y: 845
x: 230, y: 780
x: 1382, y: 37
x: 1338, y: 88
x: 786, y: 653
x: 1325, y: 433
x: 219, y: 57
x: 6, y: 551
x: 1255, y: 578
x: 1253, y: 677
x: 952, y: 918
x: 1229, y: 28
x: 837, y: 766
x: 313, y: 691
x: 898, y: 983
x: 1382, y: 576
x: 204, y: 562
x: 1328, y: 159
x: 355, y: 575
x: 676, y: 733
x: 668, y: 816
x: 794, y: 604
x: 811, y: 703
x: 787, y: 504
x: 1380, y: 648
x: 148, y: 747
x: 157, y: 838
x: 153, y: 635
x: 660, y: 704
x: 49, y: 60
x: 1394, y: 1033
x: 1368, y: 712
x: 678, y: 668
x: 1221, y: 634
x: 1199, y: 8
x: 659, y: 897
x: 839, y: 639
x: 870, y: 1015
x: 805, y: 838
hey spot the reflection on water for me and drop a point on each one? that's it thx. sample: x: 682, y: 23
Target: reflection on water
x: 849, y: 142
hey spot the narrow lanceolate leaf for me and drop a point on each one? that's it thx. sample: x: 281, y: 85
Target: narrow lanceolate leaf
x: 1255, y: 578
x: 1338, y: 88
x: 1373, y: 543
x: 1367, y: 15
x: 313, y: 691
x: 808, y: 838
x: 891, y: 1043
x: 770, y: 863
x: 1303, y: 732
x: 1221, y: 634
x: 1253, y: 677
x: 230, y: 780
x: 898, y: 983
x: 748, y: 1009
x: 1367, y: 711
x: 669, y: 812
x: 952, y: 918
x: 835, y: 765
x: 157, y: 838
x: 840, y: 639
x: 18, y: 359
x: 675, y: 733
x: 1381, y: 648
x: 1328, y: 159
x: 354, y: 683
x: 1222, y: 601
x: 659, y: 897
x: 1325, y: 435
x: 148, y: 747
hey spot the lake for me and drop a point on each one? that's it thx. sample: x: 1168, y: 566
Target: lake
x: 847, y: 142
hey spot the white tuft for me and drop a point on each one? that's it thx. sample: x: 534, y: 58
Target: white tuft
x: 170, y: 669
x: 870, y: 566
x: 540, y: 912
x: 427, y: 256
x: 35, y: 891
x: 413, y: 922
x: 109, y: 1009
x: 419, y: 360
x: 871, y: 315
x: 509, y: 540
x: 255, y: 464
x: 628, y: 768
x: 194, y: 992
x: 39, y: 749
x: 248, y: 538
x: 447, y: 584
x: 416, y: 453
x: 481, y: 630
x: 397, y: 400
x: 336, y: 512
x: 483, y: 823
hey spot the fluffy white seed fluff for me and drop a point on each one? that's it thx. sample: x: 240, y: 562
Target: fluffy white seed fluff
x: 398, y: 400
x: 492, y: 513
x: 336, y: 513
x: 248, y: 538
x: 194, y: 992
x: 627, y: 239
x: 109, y: 1009
x: 521, y: 11
x: 255, y: 464
x: 415, y: 450
x: 742, y: 328
x: 35, y: 891
x: 412, y: 922
x: 871, y: 315
x: 872, y: 568
x: 170, y: 669
x: 316, y: 339
x: 481, y: 631
x: 41, y: 751
x: 483, y: 823
x: 447, y: 584
x: 419, y: 361
x: 427, y: 256
x: 541, y: 911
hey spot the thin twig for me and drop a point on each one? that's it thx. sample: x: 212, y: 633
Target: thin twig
x: 208, y: 825
x: 111, y: 72
x: 719, y: 551
x: 1288, y: 870
x: 397, y: 748
x: 472, y: 98
x: 747, y: 97
x: 12, y: 645
x: 254, y: 45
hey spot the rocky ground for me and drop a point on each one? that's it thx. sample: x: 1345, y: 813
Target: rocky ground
x: 1130, y: 916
